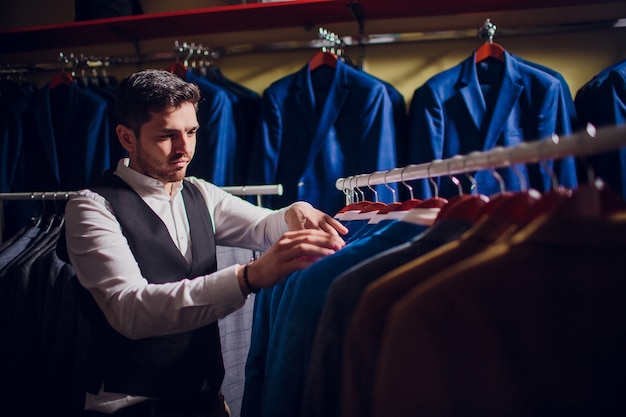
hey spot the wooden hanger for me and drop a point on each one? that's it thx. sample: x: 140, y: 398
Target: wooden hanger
x: 469, y: 207
x: 178, y: 69
x: 356, y: 206
x: 490, y: 50
x: 323, y: 58
x: 61, y: 78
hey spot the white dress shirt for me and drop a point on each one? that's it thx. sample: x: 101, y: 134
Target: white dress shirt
x: 105, y: 265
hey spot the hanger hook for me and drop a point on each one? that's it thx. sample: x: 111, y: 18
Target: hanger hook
x: 474, y: 186
x: 454, y: 179
x: 346, y: 190
x: 591, y: 175
x: 54, y: 201
x: 372, y: 188
x: 190, y: 51
x: 523, y: 183
x: 43, y: 204
x: 432, y: 181
x: 545, y: 166
x: 359, y: 191
x: 487, y: 31
x: 497, y: 176
x: 405, y: 184
x: 351, y: 190
x: 393, y: 192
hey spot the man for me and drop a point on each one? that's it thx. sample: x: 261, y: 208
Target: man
x: 142, y: 243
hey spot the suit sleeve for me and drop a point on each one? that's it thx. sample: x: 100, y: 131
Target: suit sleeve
x: 426, y: 132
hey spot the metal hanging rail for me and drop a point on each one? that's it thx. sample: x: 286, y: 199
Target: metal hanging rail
x: 586, y: 142
x: 347, y: 41
x: 241, y: 190
x: 43, y: 196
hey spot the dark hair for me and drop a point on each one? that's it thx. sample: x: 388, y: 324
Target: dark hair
x: 151, y: 91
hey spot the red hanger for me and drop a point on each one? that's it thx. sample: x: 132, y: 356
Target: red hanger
x: 433, y: 202
x: 409, y: 204
x: 490, y: 50
x: 178, y: 69
x: 360, y: 205
x: 515, y: 207
x: 323, y: 58
x: 61, y: 78
x: 592, y: 200
x: 373, y: 207
x: 389, y: 208
x: 466, y: 206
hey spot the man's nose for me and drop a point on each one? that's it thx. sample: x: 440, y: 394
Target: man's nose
x: 183, y: 144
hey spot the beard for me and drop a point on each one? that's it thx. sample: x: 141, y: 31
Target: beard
x: 164, y: 172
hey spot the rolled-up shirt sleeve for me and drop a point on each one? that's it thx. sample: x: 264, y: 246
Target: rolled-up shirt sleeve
x: 136, y: 308
x: 239, y: 223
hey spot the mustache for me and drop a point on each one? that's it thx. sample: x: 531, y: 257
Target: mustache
x: 180, y: 158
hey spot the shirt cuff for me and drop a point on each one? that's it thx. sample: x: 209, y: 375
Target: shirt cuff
x: 224, y: 292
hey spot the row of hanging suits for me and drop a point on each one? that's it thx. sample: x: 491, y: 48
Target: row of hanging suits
x: 327, y: 120
x: 477, y: 105
x: 62, y: 136
x: 330, y: 121
x: 509, y: 306
x: 602, y: 102
x: 42, y: 334
x: 45, y: 336
x: 485, y: 102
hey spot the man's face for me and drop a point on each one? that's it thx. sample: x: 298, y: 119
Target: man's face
x: 166, y: 144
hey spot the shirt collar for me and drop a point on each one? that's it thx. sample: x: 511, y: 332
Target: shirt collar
x: 143, y: 184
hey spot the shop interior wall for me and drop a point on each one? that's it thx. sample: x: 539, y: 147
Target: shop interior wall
x: 577, y: 54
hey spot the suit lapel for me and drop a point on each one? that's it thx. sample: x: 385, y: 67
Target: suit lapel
x: 334, y: 102
x: 303, y: 95
x: 470, y: 91
x: 508, y: 94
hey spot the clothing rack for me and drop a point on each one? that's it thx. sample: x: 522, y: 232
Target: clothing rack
x: 585, y: 142
x: 44, y: 196
x: 240, y: 190
x: 68, y: 62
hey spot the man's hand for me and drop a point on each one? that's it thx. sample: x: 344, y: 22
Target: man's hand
x: 302, y: 215
x: 294, y: 251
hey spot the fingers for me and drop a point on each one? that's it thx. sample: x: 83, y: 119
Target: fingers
x: 302, y: 215
x: 334, y: 226
x: 317, y: 237
x: 296, y: 250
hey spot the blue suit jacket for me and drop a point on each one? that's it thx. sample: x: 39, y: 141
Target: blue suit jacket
x: 246, y: 104
x: 602, y: 102
x: 322, y: 393
x: 318, y: 126
x: 284, y: 329
x: 568, y: 101
x: 216, y: 142
x: 588, y: 108
x: 14, y: 99
x: 65, y: 146
x: 66, y: 140
x: 474, y: 107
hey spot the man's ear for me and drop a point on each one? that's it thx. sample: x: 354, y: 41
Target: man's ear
x: 126, y: 137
